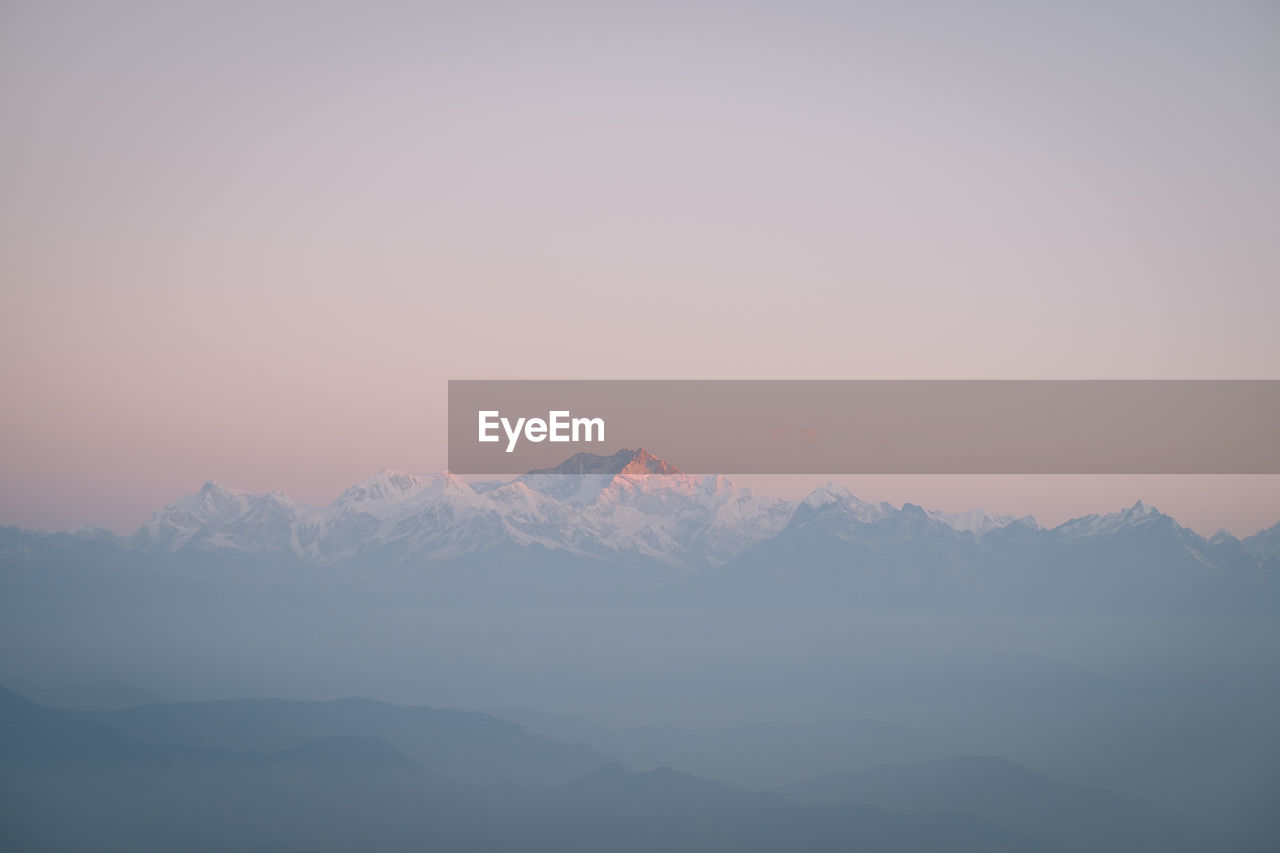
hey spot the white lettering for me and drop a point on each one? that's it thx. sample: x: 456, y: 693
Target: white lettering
x: 587, y: 423
x: 559, y: 427
x: 559, y: 423
x: 486, y: 424
x: 513, y: 435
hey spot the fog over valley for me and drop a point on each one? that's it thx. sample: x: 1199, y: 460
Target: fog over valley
x: 688, y: 636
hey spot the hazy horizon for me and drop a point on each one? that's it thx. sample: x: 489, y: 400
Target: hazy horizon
x: 1191, y: 500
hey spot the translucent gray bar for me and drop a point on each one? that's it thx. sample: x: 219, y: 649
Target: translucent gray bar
x: 887, y: 426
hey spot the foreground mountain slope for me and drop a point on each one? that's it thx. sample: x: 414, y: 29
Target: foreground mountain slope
x: 80, y: 785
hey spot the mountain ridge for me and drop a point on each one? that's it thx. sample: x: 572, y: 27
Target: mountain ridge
x: 631, y: 506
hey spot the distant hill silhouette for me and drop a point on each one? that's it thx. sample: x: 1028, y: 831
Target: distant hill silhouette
x: 68, y: 780
x: 465, y: 746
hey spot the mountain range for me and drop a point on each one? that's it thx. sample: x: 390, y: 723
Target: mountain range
x: 701, y: 537
x: 631, y: 505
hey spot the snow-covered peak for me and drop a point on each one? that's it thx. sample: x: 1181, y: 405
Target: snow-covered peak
x: 214, y: 494
x: 517, y: 495
x: 979, y: 521
x: 624, y: 461
x: 211, y: 502
x: 1265, y: 543
x: 1102, y: 524
x: 1139, y: 513
x: 93, y: 532
x: 643, y: 462
x: 393, y: 495
x: 387, y: 485
x: 828, y: 493
x: 837, y: 496
x: 580, y: 479
x: 217, y: 516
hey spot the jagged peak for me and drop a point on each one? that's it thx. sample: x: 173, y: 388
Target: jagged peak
x: 833, y: 493
x: 93, y: 531
x: 1138, y: 513
x: 213, y: 487
x: 1132, y: 516
x: 1263, y: 531
x: 389, y: 484
x: 644, y: 462
x: 626, y: 461
x: 978, y: 521
x: 829, y: 492
x: 211, y: 495
x: 833, y: 497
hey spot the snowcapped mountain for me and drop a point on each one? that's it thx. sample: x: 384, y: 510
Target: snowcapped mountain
x: 634, y: 508
x: 218, y: 517
x: 631, y: 505
x: 581, y: 478
x: 1149, y: 527
x: 1265, y: 544
x: 436, y: 514
x: 836, y: 512
x: 1138, y: 515
x: 979, y: 521
x: 835, y: 498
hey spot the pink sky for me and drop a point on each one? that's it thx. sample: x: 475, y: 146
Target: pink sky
x: 252, y: 245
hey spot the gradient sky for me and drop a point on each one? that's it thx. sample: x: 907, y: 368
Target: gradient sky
x: 250, y: 242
